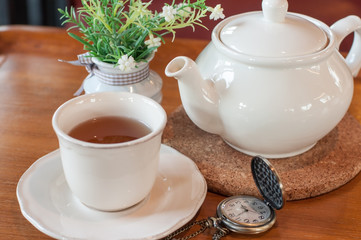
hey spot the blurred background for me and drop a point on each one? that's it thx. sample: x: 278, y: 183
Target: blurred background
x: 32, y: 12
x: 45, y: 13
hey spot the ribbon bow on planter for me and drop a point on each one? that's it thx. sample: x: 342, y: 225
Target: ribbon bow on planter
x: 114, y: 79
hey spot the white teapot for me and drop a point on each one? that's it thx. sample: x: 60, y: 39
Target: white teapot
x: 270, y: 82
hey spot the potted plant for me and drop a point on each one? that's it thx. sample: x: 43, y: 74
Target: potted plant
x: 121, y: 37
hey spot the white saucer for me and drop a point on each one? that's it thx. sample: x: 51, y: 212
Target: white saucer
x: 46, y: 201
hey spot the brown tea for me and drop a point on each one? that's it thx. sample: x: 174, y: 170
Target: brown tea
x: 109, y: 129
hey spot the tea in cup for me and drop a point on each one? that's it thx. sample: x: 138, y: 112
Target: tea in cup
x: 109, y: 145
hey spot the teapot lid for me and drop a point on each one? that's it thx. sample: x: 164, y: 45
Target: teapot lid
x: 273, y: 32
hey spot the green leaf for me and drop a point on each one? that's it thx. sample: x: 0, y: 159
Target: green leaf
x: 112, y: 28
x: 76, y: 37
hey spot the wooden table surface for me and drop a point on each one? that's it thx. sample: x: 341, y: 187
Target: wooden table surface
x: 34, y: 84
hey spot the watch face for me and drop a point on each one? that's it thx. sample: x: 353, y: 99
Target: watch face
x: 246, y: 213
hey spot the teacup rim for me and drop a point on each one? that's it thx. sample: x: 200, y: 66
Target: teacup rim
x: 155, y: 132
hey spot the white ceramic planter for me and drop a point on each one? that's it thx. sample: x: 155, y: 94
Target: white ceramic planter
x: 150, y: 86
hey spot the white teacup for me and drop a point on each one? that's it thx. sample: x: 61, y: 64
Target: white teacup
x: 110, y: 177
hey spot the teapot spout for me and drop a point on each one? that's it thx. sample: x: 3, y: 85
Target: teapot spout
x: 199, y: 97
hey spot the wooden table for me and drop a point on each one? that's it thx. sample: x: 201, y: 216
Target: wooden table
x: 34, y: 84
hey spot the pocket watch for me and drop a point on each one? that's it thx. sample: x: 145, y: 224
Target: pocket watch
x: 242, y: 213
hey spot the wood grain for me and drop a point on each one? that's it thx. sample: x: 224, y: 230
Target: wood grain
x: 34, y: 84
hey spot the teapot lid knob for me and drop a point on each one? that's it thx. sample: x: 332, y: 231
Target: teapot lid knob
x: 274, y: 10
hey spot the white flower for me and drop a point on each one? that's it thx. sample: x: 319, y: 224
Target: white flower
x: 168, y: 13
x: 153, y: 42
x: 141, y: 8
x: 217, y: 12
x: 184, y: 11
x: 126, y: 63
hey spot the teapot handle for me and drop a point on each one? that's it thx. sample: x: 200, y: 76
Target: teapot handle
x: 344, y: 27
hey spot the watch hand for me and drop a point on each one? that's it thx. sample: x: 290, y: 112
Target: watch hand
x: 245, y: 210
x: 253, y: 211
x: 244, y: 207
x: 248, y: 210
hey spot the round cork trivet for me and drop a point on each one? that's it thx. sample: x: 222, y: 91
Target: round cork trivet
x: 331, y: 163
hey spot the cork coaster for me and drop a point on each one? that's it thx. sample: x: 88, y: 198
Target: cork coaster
x: 331, y: 163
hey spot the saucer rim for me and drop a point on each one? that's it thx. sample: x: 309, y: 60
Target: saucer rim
x: 165, y: 148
